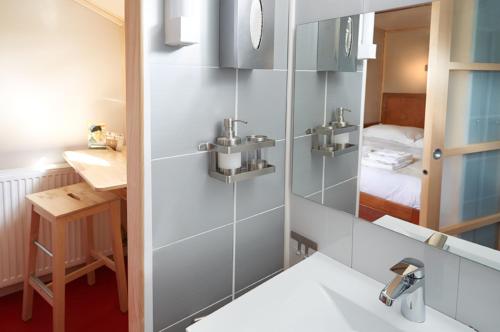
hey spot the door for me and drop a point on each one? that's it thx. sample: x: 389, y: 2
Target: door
x: 461, y: 161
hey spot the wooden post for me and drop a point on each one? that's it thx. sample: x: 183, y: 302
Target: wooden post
x: 30, y: 264
x: 135, y: 163
x: 436, y: 107
x: 58, y: 274
x: 90, y: 247
x: 498, y: 236
x: 121, y: 278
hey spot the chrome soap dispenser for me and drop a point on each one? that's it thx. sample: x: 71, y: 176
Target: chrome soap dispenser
x: 229, y: 164
x: 332, y: 140
x: 341, y: 123
x: 226, y: 162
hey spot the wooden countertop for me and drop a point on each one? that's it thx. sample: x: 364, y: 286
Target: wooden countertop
x: 103, y: 170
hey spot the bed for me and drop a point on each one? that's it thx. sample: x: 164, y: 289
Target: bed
x: 394, y: 192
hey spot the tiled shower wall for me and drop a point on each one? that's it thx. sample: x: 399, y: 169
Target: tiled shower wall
x: 329, y: 181
x: 211, y: 241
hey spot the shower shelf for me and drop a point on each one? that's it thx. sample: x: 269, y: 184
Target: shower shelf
x: 245, y: 172
x: 334, y: 150
x: 331, y: 130
x: 243, y: 175
x: 244, y: 147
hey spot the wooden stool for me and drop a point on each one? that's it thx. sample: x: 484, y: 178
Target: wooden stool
x: 61, y: 206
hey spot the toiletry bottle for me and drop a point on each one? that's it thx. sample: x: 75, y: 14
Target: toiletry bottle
x: 254, y: 157
x: 341, y: 123
x: 229, y: 164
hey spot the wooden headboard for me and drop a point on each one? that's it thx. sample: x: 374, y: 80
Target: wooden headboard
x: 403, y: 109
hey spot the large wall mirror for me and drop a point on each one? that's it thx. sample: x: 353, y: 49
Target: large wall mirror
x: 410, y: 139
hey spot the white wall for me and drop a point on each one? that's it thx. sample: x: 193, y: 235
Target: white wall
x: 62, y: 68
x: 406, y: 55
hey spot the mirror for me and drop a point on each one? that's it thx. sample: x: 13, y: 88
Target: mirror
x: 327, y: 112
x: 256, y: 20
x: 408, y: 140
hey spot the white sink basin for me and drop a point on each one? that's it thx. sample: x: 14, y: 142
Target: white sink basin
x: 318, y: 294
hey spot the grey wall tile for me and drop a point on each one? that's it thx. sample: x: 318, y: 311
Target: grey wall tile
x: 186, y: 201
x: 306, y: 46
x: 205, y: 53
x: 256, y: 284
x: 479, y: 296
x: 264, y: 192
x: 340, y: 168
x: 343, y: 196
x: 185, y: 323
x: 331, y: 229
x: 259, y: 247
x: 317, y: 197
x: 190, y: 275
x: 188, y: 106
x: 262, y: 102
x: 308, y: 101
x: 376, y: 249
x: 344, y: 90
x: 281, y: 34
x: 307, y: 170
x: 190, y: 97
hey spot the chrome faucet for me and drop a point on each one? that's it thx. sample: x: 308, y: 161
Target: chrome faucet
x: 409, y: 286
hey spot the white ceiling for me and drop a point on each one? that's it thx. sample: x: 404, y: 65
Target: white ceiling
x: 411, y: 18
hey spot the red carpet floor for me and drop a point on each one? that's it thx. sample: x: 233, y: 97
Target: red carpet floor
x: 88, y: 308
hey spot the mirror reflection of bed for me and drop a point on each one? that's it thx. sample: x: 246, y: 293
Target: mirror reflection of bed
x: 393, y: 134
x: 392, y: 152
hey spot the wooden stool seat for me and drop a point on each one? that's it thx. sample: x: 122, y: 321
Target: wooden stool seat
x: 64, y: 201
x: 61, y: 206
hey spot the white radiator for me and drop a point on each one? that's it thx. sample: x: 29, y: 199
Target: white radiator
x: 14, y: 186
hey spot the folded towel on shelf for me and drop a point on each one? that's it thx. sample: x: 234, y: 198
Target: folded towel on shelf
x: 390, y: 156
x: 384, y: 165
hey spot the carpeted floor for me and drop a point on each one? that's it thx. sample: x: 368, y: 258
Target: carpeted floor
x: 88, y: 308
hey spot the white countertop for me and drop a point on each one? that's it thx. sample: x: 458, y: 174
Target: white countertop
x: 455, y: 245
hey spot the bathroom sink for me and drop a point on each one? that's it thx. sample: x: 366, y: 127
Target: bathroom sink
x: 319, y: 294
x: 319, y: 308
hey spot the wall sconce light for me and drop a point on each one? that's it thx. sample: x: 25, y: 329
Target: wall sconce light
x: 182, y: 22
x: 366, y: 48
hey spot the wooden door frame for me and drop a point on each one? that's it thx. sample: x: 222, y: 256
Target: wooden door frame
x: 135, y: 164
x: 440, y: 67
x: 435, y: 112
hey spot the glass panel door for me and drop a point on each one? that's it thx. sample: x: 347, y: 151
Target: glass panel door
x: 466, y: 125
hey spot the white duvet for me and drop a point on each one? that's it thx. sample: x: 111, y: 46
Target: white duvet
x: 400, y: 186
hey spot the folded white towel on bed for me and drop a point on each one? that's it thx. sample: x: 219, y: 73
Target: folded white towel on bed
x: 384, y: 165
x: 390, y: 156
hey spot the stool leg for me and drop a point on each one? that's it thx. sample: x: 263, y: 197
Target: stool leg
x: 30, y: 264
x: 90, y: 247
x: 58, y: 275
x: 121, y: 278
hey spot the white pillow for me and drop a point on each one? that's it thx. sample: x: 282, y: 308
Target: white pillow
x: 418, y: 144
x: 400, y: 134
